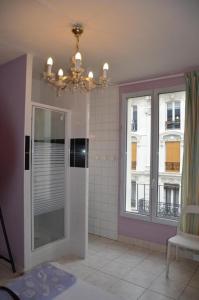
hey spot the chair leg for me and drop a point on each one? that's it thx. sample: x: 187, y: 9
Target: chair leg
x: 10, y: 259
x: 168, y: 259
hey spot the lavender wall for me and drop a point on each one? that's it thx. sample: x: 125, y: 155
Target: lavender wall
x: 12, y: 107
x: 148, y: 231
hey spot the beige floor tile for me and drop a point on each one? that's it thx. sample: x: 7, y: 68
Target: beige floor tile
x: 68, y: 259
x: 109, y: 253
x: 138, y: 251
x: 96, y: 261
x: 101, y: 280
x: 140, y: 277
x: 190, y: 293
x: 157, y: 257
x: 151, y: 266
x: 125, y: 290
x: 168, y: 287
x: 184, y: 265
x: 116, y: 269
x: 130, y: 259
x: 195, y: 281
x: 150, y: 295
x: 181, y: 271
x: 79, y: 270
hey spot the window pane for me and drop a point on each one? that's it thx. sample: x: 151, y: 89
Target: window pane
x: 138, y: 155
x: 177, y: 114
x: 170, y: 153
x: 134, y: 118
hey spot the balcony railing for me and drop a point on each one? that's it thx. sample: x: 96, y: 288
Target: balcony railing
x: 172, y: 124
x: 172, y: 166
x: 140, y: 202
x: 168, y: 210
x: 133, y: 165
x: 134, y: 126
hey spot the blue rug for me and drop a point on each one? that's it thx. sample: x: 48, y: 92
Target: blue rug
x: 43, y: 282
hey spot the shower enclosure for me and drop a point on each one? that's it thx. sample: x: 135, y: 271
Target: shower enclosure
x: 48, y: 176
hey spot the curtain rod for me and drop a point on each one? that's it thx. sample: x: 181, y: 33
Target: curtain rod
x: 153, y: 79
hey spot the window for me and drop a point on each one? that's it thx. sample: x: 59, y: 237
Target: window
x: 173, y: 115
x: 152, y: 182
x: 170, y: 155
x: 172, y: 163
x: 138, y: 156
x: 134, y: 156
x: 134, y: 125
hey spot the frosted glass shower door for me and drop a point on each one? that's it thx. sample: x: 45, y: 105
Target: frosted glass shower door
x: 48, y: 176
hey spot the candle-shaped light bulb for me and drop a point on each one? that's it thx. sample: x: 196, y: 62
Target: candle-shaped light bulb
x: 90, y: 75
x: 78, y: 56
x: 49, y: 65
x: 105, y: 70
x: 78, y: 60
x: 60, y: 73
x: 50, y: 61
x: 106, y: 66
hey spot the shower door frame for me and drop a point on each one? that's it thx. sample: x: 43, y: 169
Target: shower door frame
x: 61, y: 246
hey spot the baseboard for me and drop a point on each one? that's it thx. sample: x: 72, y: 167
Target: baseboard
x: 182, y: 253
x: 141, y: 243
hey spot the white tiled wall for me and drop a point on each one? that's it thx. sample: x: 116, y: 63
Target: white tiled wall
x: 103, y: 162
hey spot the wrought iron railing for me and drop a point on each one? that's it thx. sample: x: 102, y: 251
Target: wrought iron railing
x: 134, y: 126
x: 133, y: 165
x: 172, y: 124
x: 140, y: 202
x: 168, y: 210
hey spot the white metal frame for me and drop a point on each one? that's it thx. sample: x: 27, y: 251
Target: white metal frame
x: 123, y: 153
x: 182, y: 239
x: 32, y: 257
x: 154, y: 152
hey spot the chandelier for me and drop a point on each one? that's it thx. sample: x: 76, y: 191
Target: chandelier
x: 76, y: 79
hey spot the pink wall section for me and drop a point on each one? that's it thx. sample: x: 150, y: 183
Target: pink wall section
x: 148, y: 231
x: 12, y: 108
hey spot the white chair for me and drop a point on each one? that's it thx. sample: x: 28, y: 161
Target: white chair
x: 182, y: 239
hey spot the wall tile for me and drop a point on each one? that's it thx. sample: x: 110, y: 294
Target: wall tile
x: 103, y: 165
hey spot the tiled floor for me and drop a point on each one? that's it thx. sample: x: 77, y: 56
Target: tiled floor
x: 134, y: 273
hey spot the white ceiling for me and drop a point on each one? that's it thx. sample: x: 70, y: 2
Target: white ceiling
x: 139, y: 38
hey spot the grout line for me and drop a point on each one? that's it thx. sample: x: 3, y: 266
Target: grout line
x: 197, y: 268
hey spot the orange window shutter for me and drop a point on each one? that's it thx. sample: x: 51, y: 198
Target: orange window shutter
x: 173, y: 152
x: 134, y: 152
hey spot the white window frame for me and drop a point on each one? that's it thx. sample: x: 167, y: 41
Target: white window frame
x: 154, y: 164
